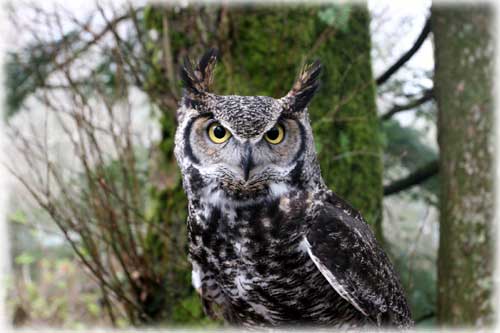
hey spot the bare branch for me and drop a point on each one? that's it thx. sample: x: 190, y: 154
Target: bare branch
x: 426, y: 96
x: 407, y: 56
x: 415, y: 178
x: 167, y: 54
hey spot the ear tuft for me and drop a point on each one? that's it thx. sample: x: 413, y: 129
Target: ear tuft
x: 304, y: 88
x: 197, y: 80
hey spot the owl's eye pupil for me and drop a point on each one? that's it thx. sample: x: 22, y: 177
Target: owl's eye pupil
x: 219, y: 132
x: 273, y: 133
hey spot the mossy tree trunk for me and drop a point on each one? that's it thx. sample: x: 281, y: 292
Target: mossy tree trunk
x: 463, y: 85
x: 267, y: 48
x: 261, y: 51
x: 345, y: 121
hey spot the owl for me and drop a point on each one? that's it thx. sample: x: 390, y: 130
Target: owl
x: 270, y: 244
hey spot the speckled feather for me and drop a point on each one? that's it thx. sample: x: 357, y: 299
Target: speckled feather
x: 278, y: 248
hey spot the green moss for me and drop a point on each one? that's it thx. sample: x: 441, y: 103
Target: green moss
x: 345, y: 120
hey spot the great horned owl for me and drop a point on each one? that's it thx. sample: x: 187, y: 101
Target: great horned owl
x: 270, y: 244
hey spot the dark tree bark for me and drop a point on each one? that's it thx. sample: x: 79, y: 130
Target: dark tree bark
x: 463, y: 88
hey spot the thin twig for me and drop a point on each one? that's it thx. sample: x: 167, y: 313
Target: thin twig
x: 426, y: 96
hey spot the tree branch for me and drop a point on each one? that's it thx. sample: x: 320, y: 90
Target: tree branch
x: 425, y: 317
x: 427, y: 96
x: 407, y: 56
x: 96, y: 37
x: 417, y: 177
x: 168, y: 57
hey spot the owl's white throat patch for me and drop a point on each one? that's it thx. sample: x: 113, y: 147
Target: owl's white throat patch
x: 219, y: 199
x: 278, y: 189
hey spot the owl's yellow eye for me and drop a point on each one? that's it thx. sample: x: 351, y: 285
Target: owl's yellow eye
x: 217, y: 133
x: 275, y: 135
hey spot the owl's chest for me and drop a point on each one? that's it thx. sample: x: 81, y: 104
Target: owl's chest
x: 251, y: 236
x: 254, y: 258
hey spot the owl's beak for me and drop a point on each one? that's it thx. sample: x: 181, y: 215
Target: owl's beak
x: 247, y: 161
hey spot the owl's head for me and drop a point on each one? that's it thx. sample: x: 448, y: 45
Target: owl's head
x: 244, y: 147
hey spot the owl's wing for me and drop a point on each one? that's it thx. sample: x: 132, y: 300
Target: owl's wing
x: 206, y: 287
x: 345, y: 251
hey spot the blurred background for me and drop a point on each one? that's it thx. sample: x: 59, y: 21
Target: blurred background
x: 96, y: 211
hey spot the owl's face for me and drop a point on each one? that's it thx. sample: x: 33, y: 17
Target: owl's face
x: 243, y: 147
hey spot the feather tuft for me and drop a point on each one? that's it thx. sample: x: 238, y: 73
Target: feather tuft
x: 304, y: 87
x: 198, y: 79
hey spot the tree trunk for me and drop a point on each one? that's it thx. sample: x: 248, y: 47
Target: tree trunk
x: 267, y: 48
x: 345, y: 121
x: 463, y: 85
x: 261, y: 51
